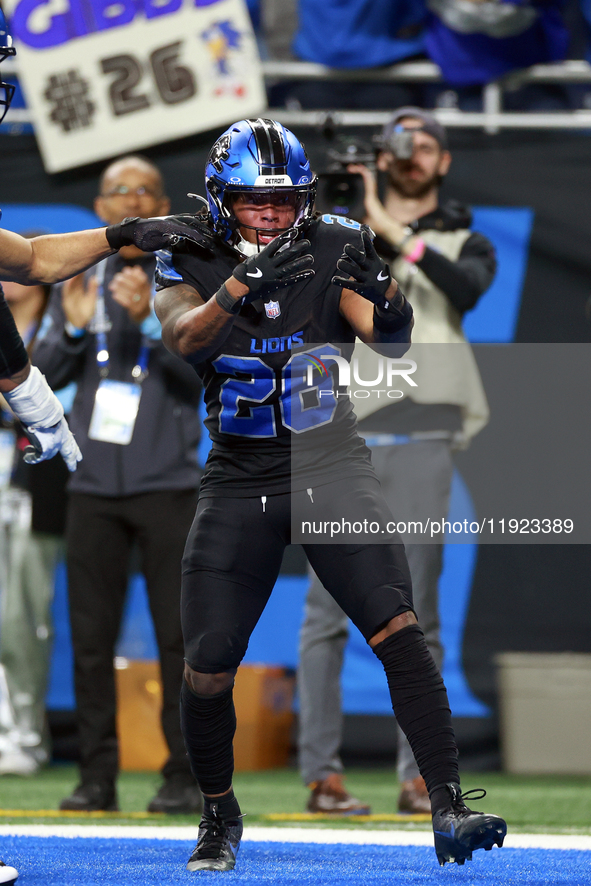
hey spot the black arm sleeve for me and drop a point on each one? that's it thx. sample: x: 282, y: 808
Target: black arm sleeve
x: 13, y: 355
x: 464, y: 280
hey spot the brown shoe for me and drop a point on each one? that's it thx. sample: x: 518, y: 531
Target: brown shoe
x: 414, y: 797
x: 330, y: 797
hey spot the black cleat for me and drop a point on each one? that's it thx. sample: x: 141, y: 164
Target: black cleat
x: 459, y: 831
x: 218, y: 843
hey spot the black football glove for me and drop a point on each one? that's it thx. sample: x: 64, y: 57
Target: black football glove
x: 179, y: 233
x: 275, y: 266
x: 371, y: 275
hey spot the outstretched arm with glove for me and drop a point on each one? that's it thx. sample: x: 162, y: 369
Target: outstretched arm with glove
x: 51, y: 258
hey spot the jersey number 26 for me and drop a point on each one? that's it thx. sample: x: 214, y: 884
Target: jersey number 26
x: 303, y: 405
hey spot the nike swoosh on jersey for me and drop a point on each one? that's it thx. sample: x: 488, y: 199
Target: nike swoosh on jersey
x: 257, y: 273
x: 382, y: 276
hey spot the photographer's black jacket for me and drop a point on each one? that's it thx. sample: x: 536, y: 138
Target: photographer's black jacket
x: 463, y: 281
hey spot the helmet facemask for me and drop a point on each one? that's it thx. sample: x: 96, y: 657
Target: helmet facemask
x: 297, y: 199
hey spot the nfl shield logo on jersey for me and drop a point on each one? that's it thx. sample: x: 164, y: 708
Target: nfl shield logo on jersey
x: 272, y: 309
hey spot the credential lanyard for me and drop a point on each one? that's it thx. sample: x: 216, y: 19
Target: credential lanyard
x: 101, y: 324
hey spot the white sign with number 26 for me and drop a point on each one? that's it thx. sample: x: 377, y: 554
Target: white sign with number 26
x: 103, y: 77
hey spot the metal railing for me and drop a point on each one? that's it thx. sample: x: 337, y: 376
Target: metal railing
x: 492, y: 118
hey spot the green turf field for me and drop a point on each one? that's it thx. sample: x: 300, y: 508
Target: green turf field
x: 535, y: 804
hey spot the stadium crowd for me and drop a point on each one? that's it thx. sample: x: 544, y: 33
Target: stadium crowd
x: 472, y: 42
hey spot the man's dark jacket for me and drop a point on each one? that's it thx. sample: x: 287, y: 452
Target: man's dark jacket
x: 162, y: 454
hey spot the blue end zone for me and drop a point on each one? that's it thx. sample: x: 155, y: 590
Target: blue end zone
x: 53, y: 861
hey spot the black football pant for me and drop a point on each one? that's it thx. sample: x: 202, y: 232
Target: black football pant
x: 231, y: 563
x: 100, y: 534
x: 232, y: 560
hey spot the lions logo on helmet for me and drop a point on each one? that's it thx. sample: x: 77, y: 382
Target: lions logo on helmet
x: 6, y: 50
x: 257, y: 157
x: 219, y: 153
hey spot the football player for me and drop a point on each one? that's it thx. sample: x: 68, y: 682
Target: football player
x: 49, y: 259
x: 276, y: 281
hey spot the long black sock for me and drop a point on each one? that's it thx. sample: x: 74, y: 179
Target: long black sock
x: 420, y: 703
x: 227, y: 806
x: 209, y: 723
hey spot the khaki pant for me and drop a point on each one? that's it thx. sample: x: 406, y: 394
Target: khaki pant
x: 27, y: 566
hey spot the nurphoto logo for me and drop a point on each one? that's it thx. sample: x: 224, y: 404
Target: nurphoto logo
x: 387, y: 370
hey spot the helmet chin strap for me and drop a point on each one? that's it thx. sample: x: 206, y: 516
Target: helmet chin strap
x: 246, y: 247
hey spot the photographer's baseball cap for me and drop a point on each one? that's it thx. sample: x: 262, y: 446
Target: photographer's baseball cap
x: 430, y: 125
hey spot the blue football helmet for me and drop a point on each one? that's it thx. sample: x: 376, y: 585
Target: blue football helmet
x: 6, y: 50
x: 257, y: 157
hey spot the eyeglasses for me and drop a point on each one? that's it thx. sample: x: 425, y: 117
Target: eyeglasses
x: 125, y: 190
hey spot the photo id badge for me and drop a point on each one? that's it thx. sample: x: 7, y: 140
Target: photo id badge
x: 115, y: 410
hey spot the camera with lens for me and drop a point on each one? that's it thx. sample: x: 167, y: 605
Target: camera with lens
x: 400, y: 143
x: 343, y: 193
x: 340, y: 192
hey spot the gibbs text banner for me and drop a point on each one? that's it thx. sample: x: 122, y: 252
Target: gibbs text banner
x: 104, y: 77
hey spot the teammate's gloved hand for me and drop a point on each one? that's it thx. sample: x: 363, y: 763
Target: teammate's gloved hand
x: 42, y: 416
x: 371, y: 275
x: 179, y: 233
x: 47, y: 442
x: 277, y: 265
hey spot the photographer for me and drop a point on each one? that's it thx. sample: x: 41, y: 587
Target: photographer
x: 443, y: 268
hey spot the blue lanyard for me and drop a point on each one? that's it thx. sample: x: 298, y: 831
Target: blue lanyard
x: 101, y: 324
x: 140, y: 370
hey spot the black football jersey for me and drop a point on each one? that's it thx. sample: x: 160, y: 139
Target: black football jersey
x: 276, y: 416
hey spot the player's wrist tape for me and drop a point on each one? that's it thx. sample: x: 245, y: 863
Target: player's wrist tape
x: 392, y: 316
x: 121, y: 234
x: 34, y: 402
x: 227, y: 302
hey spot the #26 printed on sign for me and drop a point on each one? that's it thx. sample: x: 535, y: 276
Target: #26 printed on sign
x: 103, y: 77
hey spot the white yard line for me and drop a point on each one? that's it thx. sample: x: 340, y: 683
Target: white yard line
x: 284, y: 835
